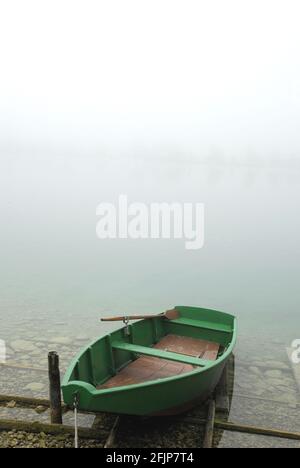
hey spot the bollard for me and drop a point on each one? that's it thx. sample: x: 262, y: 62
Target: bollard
x: 55, y: 392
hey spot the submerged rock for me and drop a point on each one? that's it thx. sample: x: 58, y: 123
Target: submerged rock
x: 277, y: 365
x: 276, y: 374
x: 23, y: 346
x: 63, y: 340
x: 35, y: 387
x: 274, y: 382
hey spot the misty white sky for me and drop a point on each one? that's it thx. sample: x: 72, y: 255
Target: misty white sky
x: 196, y: 75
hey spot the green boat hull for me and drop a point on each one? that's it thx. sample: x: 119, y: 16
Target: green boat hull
x: 102, y: 360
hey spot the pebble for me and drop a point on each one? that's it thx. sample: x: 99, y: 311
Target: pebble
x: 11, y: 404
x: 40, y: 409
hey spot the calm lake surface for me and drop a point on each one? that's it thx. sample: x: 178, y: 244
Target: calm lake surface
x: 58, y: 279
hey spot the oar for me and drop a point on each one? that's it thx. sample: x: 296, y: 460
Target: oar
x: 170, y: 315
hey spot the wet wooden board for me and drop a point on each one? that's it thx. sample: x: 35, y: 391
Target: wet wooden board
x: 148, y: 368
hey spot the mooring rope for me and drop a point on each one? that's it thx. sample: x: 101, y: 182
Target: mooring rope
x: 76, y: 402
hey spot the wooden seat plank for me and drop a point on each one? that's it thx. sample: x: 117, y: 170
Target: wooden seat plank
x: 205, y: 325
x: 148, y: 351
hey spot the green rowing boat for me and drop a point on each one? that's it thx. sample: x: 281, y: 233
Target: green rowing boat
x: 159, y: 365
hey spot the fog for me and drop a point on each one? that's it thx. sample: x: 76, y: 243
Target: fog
x: 164, y: 101
x: 166, y: 79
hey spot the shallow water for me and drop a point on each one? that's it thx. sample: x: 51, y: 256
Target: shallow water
x: 57, y: 278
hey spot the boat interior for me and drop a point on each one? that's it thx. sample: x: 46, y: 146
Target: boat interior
x: 154, y: 349
x: 147, y: 368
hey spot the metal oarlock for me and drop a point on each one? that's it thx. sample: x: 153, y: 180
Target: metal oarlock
x: 126, y: 323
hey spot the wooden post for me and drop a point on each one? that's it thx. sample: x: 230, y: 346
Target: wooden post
x: 55, y: 392
x: 221, y: 394
x: 210, y: 424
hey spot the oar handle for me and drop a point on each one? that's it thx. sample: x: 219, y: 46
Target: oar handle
x: 129, y: 317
